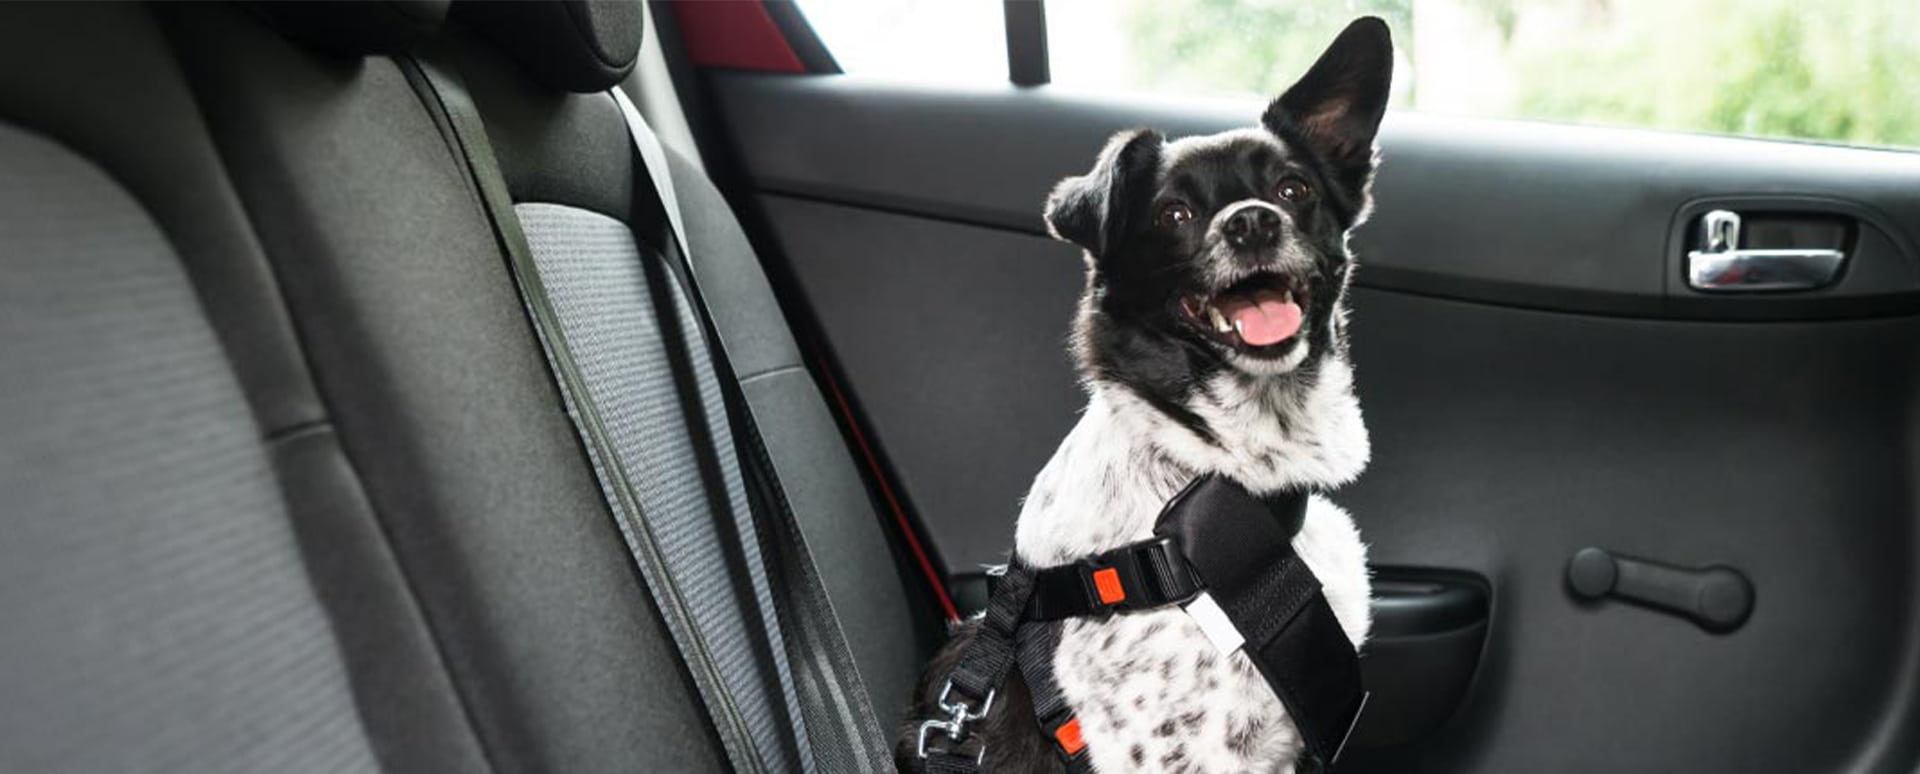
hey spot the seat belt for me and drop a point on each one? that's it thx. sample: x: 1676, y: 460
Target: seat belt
x: 445, y: 91
x: 839, y: 713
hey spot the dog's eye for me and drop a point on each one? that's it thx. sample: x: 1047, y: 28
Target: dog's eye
x: 1294, y: 190
x: 1174, y: 215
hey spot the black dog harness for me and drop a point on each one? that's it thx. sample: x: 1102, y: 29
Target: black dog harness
x: 1214, y: 538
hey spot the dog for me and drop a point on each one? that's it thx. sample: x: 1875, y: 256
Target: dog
x: 1211, y: 338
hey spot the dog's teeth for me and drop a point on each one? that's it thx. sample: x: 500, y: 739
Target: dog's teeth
x: 1287, y: 296
x: 1220, y: 324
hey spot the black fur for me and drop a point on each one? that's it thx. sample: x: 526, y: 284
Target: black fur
x: 1130, y: 331
x: 1322, y: 129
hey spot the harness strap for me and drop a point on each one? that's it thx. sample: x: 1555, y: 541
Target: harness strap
x: 1215, y: 542
x: 949, y: 744
x: 1139, y: 576
x: 1038, y: 641
x: 1246, y: 558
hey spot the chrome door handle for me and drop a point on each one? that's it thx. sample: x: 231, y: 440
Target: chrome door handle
x: 1720, y: 265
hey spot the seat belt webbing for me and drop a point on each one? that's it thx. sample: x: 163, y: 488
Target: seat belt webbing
x: 834, y: 698
x: 469, y: 137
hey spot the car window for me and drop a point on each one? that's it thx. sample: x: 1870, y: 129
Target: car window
x: 931, y: 40
x: 1845, y: 71
x: 1836, y: 70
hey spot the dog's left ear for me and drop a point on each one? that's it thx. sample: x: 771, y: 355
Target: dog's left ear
x: 1337, y: 106
x: 1096, y: 209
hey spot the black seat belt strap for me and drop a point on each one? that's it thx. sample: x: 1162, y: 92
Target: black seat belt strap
x: 833, y: 697
x: 443, y: 91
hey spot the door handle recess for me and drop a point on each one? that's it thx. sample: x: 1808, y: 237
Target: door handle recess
x: 1718, y: 598
x: 1721, y: 265
x: 1429, y: 627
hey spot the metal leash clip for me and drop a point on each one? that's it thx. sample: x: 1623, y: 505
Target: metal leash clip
x: 954, y: 727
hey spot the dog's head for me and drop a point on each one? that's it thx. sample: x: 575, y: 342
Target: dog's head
x: 1227, y: 253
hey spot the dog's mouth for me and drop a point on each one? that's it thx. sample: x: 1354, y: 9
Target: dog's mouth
x: 1258, y: 315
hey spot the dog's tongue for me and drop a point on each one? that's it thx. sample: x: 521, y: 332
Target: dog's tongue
x: 1262, y: 318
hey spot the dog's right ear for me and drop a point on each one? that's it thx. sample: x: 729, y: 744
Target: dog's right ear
x: 1095, y: 209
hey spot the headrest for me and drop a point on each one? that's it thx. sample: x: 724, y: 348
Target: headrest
x: 570, y: 45
x: 356, y: 27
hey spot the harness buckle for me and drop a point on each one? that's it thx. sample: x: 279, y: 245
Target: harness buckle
x: 1145, y: 575
x: 955, y: 726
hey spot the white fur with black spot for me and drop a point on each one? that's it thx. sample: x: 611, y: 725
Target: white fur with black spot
x: 1151, y: 691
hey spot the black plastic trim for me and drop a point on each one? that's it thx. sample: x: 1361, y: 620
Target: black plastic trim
x: 1027, y: 61
x: 1423, y: 653
x: 1414, y: 603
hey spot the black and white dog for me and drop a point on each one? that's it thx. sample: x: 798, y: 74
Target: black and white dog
x: 1211, y: 340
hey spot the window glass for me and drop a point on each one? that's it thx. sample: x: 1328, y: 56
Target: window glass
x: 927, y: 40
x: 1833, y: 70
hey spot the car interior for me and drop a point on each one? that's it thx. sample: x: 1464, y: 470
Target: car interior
x: 608, y: 385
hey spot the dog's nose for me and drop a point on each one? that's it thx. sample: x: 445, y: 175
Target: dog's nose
x: 1252, y: 227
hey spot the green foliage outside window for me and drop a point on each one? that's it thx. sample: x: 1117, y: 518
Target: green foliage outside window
x: 1832, y: 70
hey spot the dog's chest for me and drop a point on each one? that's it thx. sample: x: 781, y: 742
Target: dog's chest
x: 1153, y: 694
x: 1151, y: 691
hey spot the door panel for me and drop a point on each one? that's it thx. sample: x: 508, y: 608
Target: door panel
x: 953, y: 340
x: 1539, y: 215
x: 1537, y: 375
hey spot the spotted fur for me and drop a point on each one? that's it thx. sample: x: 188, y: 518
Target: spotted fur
x: 1152, y: 693
x: 1169, y: 401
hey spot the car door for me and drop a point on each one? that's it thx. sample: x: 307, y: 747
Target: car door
x: 1642, y: 402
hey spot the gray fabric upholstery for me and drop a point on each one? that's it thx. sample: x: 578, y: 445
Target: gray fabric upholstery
x: 54, y: 84
x: 880, y: 601
x: 152, y: 590
x: 442, y: 403
x: 657, y: 395
x: 886, y: 629
x: 573, y: 149
x: 552, y: 147
x: 400, y: 682
x: 450, y: 576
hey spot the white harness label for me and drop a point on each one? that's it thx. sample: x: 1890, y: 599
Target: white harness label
x: 1213, y: 621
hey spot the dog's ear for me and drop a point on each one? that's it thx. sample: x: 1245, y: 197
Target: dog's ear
x: 1337, y: 106
x: 1093, y: 210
